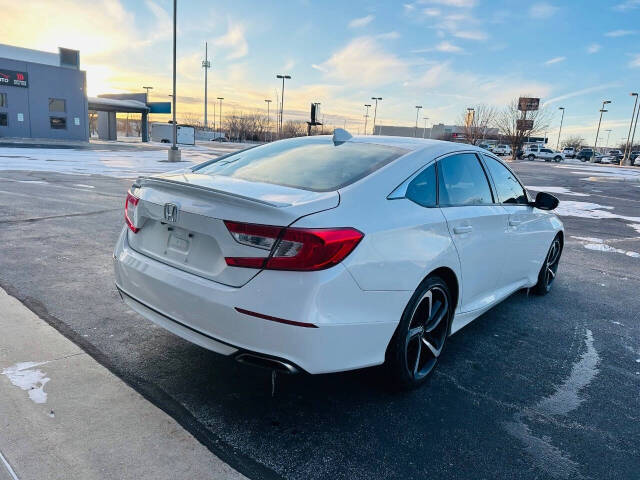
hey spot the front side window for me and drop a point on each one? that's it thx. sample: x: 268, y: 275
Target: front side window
x: 508, y: 188
x: 3, y: 100
x: 422, y: 189
x: 312, y: 163
x: 58, y: 123
x: 462, y: 181
x: 4, y: 121
x: 57, y: 105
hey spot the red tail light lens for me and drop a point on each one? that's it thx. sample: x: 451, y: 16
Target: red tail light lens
x: 299, y: 249
x: 129, y: 209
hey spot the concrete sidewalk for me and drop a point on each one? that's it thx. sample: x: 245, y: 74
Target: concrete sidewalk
x: 64, y: 416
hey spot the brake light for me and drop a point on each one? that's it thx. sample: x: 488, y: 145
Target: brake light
x: 129, y: 210
x: 299, y: 249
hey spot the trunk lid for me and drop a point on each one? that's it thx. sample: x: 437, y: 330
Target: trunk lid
x: 196, y: 239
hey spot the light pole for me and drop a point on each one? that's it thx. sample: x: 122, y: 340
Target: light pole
x: 283, y: 77
x: 366, y: 116
x: 206, y: 64
x: 608, y: 135
x: 375, y: 113
x: 174, y: 153
x: 471, y: 116
x: 424, y: 129
x: 147, y: 89
x: 268, y: 121
x: 220, y: 115
x: 633, y: 135
x: 415, y: 129
x: 626, y: 147
x: 595, y: 146
x: 560, y: 131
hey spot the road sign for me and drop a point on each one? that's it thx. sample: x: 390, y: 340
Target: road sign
x: 524, y: 125
x: 527, y: 104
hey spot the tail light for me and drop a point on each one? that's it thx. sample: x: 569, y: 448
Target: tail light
x: 129, y: 210
x: 300, y: 249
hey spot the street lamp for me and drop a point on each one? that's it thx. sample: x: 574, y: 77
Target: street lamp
x: 560, y: 131
x: 424, y: 129
x: 206, y: 64
x: 626, y: 147
x: 595, y: 146
x: 633, y: 135
x: 608, y: 134
x: 375, y: 113
x: 220, y: 115
x: 174, y: 153
x: 268, y: 121
x: 366, y: 116
x: 147, y: 89
x: 283, y: 77
x: 415, y: 129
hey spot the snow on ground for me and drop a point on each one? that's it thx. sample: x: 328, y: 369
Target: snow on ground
x: 559, y: 190
x: 24, y: 376
x: 127, y: 163
x: 613, y: 173
x: 600, y: 245
x: 571, y: 208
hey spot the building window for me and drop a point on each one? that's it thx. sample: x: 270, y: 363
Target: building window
x: 57, y: 105
x: 3, y: 100
x: 58, y: 123
x: 3, y: 120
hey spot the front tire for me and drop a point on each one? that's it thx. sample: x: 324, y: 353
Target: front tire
x: 549, y: 268
x: 418, y: 341
x: 531, y: 158
x: 557, y: 159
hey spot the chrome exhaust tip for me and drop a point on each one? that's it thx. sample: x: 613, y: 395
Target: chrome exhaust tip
x: 265, y: 362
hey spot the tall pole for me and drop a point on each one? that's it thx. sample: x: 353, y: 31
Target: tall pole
x: 174, y: 153
x: 220, y: 115
x: 283, y: 77
x: 375, y: 113
x: 626, y: 147
x: 366, y: 116
x: 560, y: 131
x: 415, y: 129
x: 633, y: 135
x: 268, y: 122
x: 206, y: 64
x: 595, y: 145
x: 608, y: 135
x: 424, y: 129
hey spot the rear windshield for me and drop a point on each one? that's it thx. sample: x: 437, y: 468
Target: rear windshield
x: 310, y: 163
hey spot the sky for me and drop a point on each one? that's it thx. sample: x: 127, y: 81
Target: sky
x: 445, y: 55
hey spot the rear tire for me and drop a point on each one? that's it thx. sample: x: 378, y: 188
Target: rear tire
x: 549, y: 268
x: 531, y: 158
x: 419, y: 339
x: 557, y: 159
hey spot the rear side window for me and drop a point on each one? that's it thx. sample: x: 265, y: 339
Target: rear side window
x: 462, y: 181
x: 422, y: 189
x: 315, y: 164
x: 508, y: 188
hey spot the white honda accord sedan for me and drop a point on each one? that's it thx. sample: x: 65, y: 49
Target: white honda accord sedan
x: 332, y: 253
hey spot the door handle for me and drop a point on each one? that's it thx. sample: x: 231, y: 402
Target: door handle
x: 514, y: 222
x: 462, y: 229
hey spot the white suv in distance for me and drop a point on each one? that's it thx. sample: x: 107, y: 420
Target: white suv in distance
x: 535, y: 151
x: 569, y: 152
x: 502, y: 150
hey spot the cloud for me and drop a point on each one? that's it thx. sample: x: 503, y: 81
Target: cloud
x: 470, y: 34
x: 542, y: 10
x: 388, y: 36
x: 361, y: 22
x: 584, y: 91
x: 553, y: 60
x: 364, y: 62
x: 593, y: 48
x: 628, y: 5
x: 319, y: 67
x: 455, y: 3
x: 620, y: 33
x: 289, y: 65
x: 443, y: 46
x: 635, y: 61
x: 234, y: 41
x: 432, y: 12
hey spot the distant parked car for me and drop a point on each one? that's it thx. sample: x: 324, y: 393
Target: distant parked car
x: 569, y: 152
x: 486, y: 146
x: 616, y: 154
x: 502, y: 149
x: 546, y: 154
x: 635, y: 157
x: 585, y: 154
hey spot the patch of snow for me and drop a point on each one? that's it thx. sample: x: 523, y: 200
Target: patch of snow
x: 599, y: 171
x: 559, y: 190
x: 572, y: 208
x: 24, y: 376
x: 635, y: 226
x: 83, y: 185
x: 601, y: 247
x: 588, y: 239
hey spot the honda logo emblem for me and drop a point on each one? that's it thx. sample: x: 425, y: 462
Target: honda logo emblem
x: 170, y: 212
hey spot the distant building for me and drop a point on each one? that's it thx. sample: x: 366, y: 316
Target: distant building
x: 42, y: 94
x: 437, y: 132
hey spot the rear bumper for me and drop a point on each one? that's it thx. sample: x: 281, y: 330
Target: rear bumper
x: 353, y: 326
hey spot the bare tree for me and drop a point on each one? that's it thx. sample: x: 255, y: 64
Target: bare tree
x: 575, y: 141
x: 507, y: 123
x: 192, y: 119
x: 476, y: 122
x: 293, y: 128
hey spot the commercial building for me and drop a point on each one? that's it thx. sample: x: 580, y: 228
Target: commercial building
x: 42, y: 94
x: 438, y: 131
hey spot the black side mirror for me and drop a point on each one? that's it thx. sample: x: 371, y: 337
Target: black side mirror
x: 545, y: 201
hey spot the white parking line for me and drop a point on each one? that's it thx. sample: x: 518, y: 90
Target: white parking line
x: 13, y: 474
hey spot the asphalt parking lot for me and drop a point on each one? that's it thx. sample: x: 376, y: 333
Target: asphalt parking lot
x: 538, y: 387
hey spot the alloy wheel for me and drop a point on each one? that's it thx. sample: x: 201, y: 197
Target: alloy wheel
x: 427, y: 333
x: 551, y: 263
